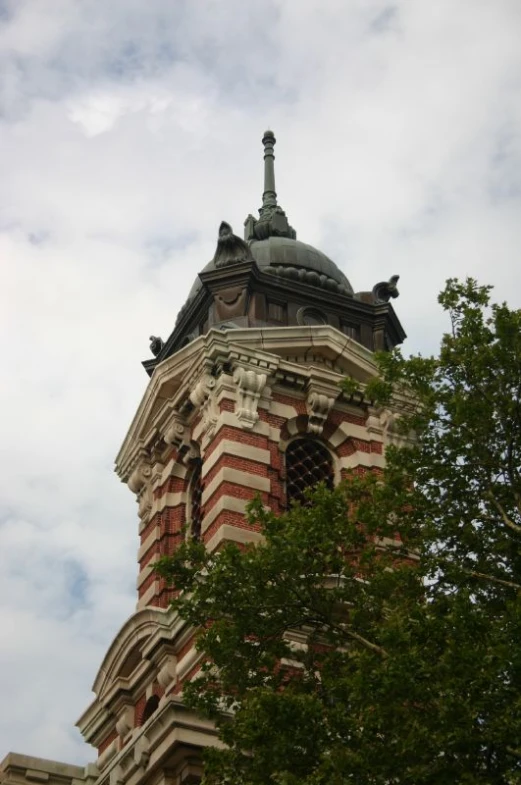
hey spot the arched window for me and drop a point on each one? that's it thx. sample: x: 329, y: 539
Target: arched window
x: 150, y: 707
x: 308, y: 462
x: 195, y: 499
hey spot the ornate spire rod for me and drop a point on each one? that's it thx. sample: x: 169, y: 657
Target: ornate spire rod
x: 269, y: 197
x: 272, y: 221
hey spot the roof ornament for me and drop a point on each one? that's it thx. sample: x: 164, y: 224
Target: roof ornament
x: 156, y: 345
x: 269, y: 197
x: 272, y: 221
x: 383, y: 291
x: 230, y: 248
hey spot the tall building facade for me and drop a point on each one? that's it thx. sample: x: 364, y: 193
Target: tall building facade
x: 244, y: 399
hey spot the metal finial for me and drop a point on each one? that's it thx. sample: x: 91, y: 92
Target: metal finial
x: 272, y: 221
x: 269, y: 197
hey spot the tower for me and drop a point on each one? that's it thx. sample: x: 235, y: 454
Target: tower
x: 244, y: 398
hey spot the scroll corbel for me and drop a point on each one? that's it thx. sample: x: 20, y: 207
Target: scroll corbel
x: 250, y: 385
x: 139, y: 483
x: 177, y: 433
x: 318, y: 406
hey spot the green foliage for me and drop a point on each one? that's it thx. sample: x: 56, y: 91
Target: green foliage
x: 335, y: 653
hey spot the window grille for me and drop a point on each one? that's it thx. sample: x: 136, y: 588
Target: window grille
x: 196, y: 494
x: 308, y: 462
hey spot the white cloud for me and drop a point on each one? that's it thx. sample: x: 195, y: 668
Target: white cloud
x: 128, y: 130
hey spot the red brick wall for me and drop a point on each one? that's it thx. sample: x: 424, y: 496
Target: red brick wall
x: 235, y: 462
x: 168, y: 524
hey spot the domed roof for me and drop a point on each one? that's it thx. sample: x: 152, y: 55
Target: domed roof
x: 289, y: 258
x: 275, y: 252
x: 230, y: 293
x: 273, y: 242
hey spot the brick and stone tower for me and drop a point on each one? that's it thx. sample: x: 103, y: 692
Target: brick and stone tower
x: 243, y: 399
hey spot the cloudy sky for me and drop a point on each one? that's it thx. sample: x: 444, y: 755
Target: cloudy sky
x: 128, y: 130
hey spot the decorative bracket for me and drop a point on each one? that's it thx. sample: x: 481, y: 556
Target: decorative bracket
x: 124, y: 724
x: 117, y: 776
x: 375, y: 423
x: 139, y: 476
x: 177, y: 433
x: 139, y: 483
x: 321, y: 395
x: 142, y: 752
x: 389, y: 421
x: 202, y: 397
x: 202, y: 390
x: 167, y: 674
x: 318, y: 406
x: 250, y: 385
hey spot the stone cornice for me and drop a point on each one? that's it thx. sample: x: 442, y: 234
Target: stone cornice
x: 278, y: 352
x: 16, y: 768
x: 154, y: 744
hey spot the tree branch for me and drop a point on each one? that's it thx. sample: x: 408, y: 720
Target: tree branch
x: 485, y: 577
x: 517, y: 497
x: 368, y: 645
x: 504, y: 517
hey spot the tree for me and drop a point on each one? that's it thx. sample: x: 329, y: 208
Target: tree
x: 335, y: 653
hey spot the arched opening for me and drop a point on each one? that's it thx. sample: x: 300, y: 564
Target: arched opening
x: 150, y: 707
x: 132, y: 660
x: 308, y: 462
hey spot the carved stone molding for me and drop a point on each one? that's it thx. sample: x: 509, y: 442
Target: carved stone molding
x: 318, y: 406
x: 250, y: 385
x: 390, y: 429
x: 393, y: 431
x: 177, y: 433
x: 117, y: 776
x: 202, y: 397
x: 191, y: 772
x: 142, y: 752
x: 374, y: 423
x: 210, y: 415
x: 148, y: 751
x: 125, y: 722
x: 230, y: 303
x: 202, y: 390
x: 139, y: 477
x: 191, y: 454
x: 167, y: 673
x: 145, y: 502
x: 140, y: 483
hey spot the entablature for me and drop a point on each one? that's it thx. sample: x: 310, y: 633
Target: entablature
x: 249, y: 361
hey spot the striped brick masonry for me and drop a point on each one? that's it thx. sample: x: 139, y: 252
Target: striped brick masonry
x: 215, y: 428
x: 215, y: 424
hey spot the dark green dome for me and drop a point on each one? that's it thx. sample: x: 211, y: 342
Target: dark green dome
x: 294, y: 259
x: 289, y: 258
x: 271, y: 279
x: 273, y: 243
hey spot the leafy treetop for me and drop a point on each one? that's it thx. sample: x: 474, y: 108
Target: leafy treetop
x: 373, y: 636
